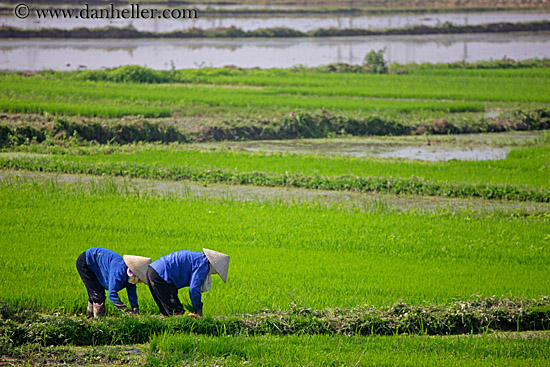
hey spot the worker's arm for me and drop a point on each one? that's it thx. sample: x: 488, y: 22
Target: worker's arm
x: 115, y: 285
x: 131, y: 289
x: 115, y: 299
x: 195, y: 287
x: 195, y: 295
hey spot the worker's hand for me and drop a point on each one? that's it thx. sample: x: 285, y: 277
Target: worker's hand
x: 135, y: 310
x: 194, y: 315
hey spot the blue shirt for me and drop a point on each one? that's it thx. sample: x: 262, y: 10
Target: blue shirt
x: 184, y: 269
x: 111, y: 271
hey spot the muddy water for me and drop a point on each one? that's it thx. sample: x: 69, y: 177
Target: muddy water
x: 492, y: 146
x: 359, y: 149
x: 362, y: 201
x: 160, y: 54
x: 301, y: 23
x: 428, y: 153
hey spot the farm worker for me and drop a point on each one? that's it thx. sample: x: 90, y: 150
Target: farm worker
x: 102, y: 269
x: 184, y: 269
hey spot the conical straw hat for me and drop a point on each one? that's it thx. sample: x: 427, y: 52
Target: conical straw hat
x: 219, y: 261
x: 138, y: 266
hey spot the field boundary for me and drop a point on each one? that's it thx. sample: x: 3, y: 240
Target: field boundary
x: 321, y: 124
x: 414, y: 185
x: 478, y: 315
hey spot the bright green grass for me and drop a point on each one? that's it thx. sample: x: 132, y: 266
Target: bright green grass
x: 527, y: 166
x: 239, y: 92
x: 316, y: 350
x: 528, y: 85
x: 184, y: 98
x: 316, y: 256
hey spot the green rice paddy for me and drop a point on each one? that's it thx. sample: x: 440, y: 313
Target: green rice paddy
x: 339, y: 258
x: 294, y: 263
x: 236, y: 92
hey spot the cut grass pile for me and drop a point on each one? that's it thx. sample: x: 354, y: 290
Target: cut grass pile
x: 474, y: 316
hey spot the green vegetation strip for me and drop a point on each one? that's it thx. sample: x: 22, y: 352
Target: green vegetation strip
x: 58, y: 95
x: 112, y: 32
x: 169, y: 349
x: 509, y: 349
x: 286, y: 103
x: 469, y: 316
x: 361, y: 184
x: 483, y: 179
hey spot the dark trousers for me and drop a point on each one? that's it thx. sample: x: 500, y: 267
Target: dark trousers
x: 96, y: 292
x: 164, y: 294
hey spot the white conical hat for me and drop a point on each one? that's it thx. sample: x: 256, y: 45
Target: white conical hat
x: 138, y: 265
x: 219, y: 261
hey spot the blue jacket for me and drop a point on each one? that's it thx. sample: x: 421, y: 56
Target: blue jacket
x: 184, y: 269
x: 111, y: 271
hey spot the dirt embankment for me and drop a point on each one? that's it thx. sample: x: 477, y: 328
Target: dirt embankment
x: 37, y: 129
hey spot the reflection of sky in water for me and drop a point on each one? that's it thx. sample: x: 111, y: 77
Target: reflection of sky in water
x: 265, y: 53
x: 436, y: 152
x: 446, y: 154
x: 298, y: 23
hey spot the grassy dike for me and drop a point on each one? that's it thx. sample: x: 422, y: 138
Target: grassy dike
x: 495, y: 180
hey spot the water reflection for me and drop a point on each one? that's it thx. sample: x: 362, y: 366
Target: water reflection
x: 265, y: 53
x: 300, y: 23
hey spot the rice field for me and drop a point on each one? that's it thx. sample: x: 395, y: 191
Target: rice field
x: 492, y: 350
x: 234, y: 92
x: 310, y: 283
x: 523, y: 175
x: 340, y: 258
x: 526, y: 167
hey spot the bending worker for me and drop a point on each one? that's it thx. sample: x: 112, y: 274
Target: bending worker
x: 102, y: 269
x: 184, y: 269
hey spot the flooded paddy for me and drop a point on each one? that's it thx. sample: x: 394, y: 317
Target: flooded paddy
x: 342, y: 199
x: 162, y: 54
x: 301, y: 23
x: 492, y: 146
